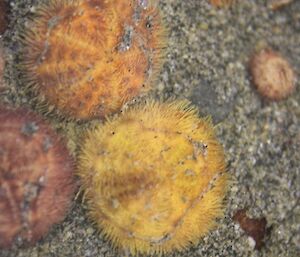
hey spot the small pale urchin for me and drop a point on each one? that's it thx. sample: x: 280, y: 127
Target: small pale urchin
x: 154, y: 177
x: 272, y: 75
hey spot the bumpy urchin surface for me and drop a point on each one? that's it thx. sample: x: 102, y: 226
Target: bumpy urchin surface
x: 154, y: 177
x: 36, y: 177
x: 87, y: 58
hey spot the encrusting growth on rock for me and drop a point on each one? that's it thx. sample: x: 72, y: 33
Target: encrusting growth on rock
x: 154, y: 178
x: 85, y: 59
x: 36, y: 177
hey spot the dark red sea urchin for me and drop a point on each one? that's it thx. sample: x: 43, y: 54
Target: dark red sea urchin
x: 36, y: 177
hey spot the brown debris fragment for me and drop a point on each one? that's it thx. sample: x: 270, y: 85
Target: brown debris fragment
x: 255, y: 228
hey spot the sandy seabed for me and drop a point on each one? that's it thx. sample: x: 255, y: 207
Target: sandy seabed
x: 207, y: 62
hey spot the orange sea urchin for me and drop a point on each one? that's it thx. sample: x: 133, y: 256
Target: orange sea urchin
x: 36, y: 177
x: 87, y: 57
x: 154, y: 177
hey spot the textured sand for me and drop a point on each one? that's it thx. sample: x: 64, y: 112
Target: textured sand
x: 208, y: 64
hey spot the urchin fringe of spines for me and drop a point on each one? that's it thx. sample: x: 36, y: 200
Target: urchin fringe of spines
x: 49, y: 8
x: 110, y: 234
x: 161, y: 108
x: 166, y: 108
x: 39, y: 101
x: 40, y: 104
x: 46, y: 4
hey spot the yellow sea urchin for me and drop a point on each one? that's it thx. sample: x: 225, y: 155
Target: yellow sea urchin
x: 87, y: 58
x: 154, y: 177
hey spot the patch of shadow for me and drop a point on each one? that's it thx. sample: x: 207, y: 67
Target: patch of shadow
x: 205, y: 97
